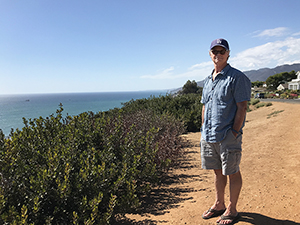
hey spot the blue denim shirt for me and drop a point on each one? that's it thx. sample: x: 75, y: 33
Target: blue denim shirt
x: 220, y: 97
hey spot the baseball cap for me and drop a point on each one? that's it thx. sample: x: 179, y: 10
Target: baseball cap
x: 219, y: 42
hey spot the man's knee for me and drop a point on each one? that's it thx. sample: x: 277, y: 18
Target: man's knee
x: 219, y: 173
x: 236, y: 176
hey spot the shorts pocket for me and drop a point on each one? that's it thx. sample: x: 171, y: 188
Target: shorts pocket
x: 231, y: 159
x: 231, y: 142
x: 233, y: 156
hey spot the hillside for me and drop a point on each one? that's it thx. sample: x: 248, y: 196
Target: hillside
x: 263, y: 74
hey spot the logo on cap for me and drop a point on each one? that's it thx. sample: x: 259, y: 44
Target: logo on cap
x: 219, y: 42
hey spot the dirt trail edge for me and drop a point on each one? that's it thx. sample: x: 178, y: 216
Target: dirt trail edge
x: 270, y: 169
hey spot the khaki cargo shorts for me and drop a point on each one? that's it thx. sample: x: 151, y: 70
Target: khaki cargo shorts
x: 225, y: 155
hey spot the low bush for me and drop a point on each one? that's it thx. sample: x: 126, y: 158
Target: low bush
x: 187, y: 108
x: 293, y: 96
x: 290, y: 94
x: 269, y: 104
x: 270, y: 95
x: 260, y: 105
x: 254, y: 101
x: 85, y: 168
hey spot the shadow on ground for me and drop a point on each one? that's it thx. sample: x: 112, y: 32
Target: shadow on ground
x: 258, y: 219
x: 166, y: 196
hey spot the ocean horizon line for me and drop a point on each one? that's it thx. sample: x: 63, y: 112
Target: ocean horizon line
x: 14, y: 107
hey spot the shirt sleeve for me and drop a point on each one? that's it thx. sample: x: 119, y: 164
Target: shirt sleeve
x: 203, y: 99
x: 242, y: 90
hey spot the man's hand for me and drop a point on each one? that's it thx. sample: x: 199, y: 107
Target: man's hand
x: 239, y: 116
x: 234, y: 134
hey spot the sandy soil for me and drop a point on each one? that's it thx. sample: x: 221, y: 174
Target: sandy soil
x: 270, y: 168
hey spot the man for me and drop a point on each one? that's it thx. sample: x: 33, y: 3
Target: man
x: 225, y: 95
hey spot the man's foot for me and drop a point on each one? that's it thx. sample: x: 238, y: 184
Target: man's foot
x: 229, y: 219
x: 212, y: 213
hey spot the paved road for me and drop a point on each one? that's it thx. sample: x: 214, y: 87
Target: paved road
x: 293, y: 101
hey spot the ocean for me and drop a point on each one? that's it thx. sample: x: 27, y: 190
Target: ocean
x: 14, y: 107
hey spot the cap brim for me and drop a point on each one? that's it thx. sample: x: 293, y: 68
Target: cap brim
x: 220, y: 46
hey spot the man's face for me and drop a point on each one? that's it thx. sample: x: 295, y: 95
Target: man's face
x: 219, y: 55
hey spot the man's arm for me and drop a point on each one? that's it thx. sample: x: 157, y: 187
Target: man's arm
x: 239, y: 116
x: 203, y: 110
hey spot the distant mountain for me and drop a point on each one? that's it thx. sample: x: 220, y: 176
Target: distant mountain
x: 264, y: 73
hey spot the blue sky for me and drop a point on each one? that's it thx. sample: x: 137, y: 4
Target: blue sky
x: 52, y: 46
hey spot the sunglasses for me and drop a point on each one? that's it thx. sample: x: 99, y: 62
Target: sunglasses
x: 216, y: 52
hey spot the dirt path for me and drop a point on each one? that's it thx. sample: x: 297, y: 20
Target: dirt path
x: 270, y: 168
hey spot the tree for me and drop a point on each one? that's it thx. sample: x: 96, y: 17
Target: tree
x: 279, y: 78
x: 289, y: 76
x: 191, y: 87
x: 257, y: 83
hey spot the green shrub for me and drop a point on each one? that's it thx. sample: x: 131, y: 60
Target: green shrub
x: 260, y: 105
x: 187, y: 108
x: 254, y: 101
x: 85, y: 168
x: 268, y: 104
x: 275, y: 113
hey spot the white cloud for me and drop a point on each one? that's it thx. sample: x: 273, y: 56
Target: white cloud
x: 269, y: 55
x: 195, y: 72
x: 165, y: 74
x: 296, y: 34
x: 201, y: 65
x: 276, y: 32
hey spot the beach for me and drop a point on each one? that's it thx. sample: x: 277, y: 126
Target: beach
x: 271, y: 181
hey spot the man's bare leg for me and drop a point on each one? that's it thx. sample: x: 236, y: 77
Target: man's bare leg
x: 235, y: 185
x: 220, y: 184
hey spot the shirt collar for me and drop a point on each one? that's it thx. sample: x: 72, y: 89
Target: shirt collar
x: 224, y: 71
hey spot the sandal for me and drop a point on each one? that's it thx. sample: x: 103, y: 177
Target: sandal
x: 233, y: 219
x: 214, y: 212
